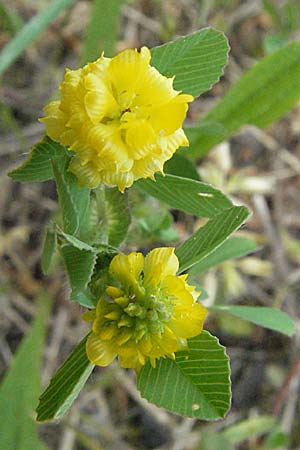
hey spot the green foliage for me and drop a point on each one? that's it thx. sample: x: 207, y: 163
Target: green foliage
x: 65, y: 385
x: 237, y: 433
x: 196, y: 60
x: 271, y: 318
x: 80, y: 266
x: 285, y: 20
x: 195, y: 384
x: 38, y: 164
x: 210, y: 236
x: 211, y: 440
x: 158, y: 226
x: 181, y: 166
x: 189, y: 196
x: 263, y: 94
x: 73, y: 200
x: 234, y: 247
x: 277, y: 439
x: 49, y: 249
x: 30, y: 32
x: 20, y: 389
x: 110, y: 216
x: 249, y: 428
x: 80, y: 245
x: 9, y: 19
x: 147, y: 229
x: 102, y: 30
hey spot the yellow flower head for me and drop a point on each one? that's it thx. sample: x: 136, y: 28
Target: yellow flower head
x: 147, y: 313
x: 120, y: 116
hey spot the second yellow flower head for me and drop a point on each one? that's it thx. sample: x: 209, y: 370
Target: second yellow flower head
x: 147, y: 312
x: 121, y: 117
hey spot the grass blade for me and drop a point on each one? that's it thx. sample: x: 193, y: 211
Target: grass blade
x: 30, y: 32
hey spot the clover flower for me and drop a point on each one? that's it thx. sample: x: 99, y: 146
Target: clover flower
x: 147, y: 312
x: 120, y: 116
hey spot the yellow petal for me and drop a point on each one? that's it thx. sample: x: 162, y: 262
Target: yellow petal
x: 67, y: 138
x: 160, y: 263
x: 164, y: 149
x: 87, y: 175
x: 188, y: 322
x: 99, y: 352
x: 78, y: 118
x: 99, y: 100
x: 176, y: 287
x: 55, y: 120
x: 108, y: 332
x: 127, y: 268
x: 126, y: 71
x: 190, y: 288
x: 97, y: 325
x: 166, y: 119
x: 124, y: 336
x: 98, y: 67
x: 146, y: 167
x: 110, y: 151
x: 165, y: 344
x: 156, y: 89
x: 169, y: 144
x: 122, y: 180
x: 140, y: 138
x: 128, y: 357
x: 69, y: 89
x: 145, y: 345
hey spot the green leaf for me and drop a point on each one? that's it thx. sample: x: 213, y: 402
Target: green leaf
x: 49, y: 249
x: 189, y: 196
x: 181, y: 166
x: 271, y: 318
x: 195, y: 384
x: 212, y: 440
x: 263, y: 94
x: 205, y: 240
x: 277, y: 439
x: 73, y: 200
x: 38, y: 165
x: 249, y: 429
x: 102, y: 30
x: 196, y: 60
x: 80, y: 245
x: 80, y: 266
x: 234, y: 247
x: 10, y: 19
x: 20, y: 389
x: 65, y: 385
x: 30, y: 32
